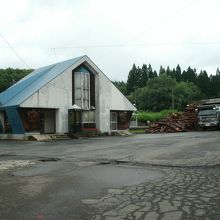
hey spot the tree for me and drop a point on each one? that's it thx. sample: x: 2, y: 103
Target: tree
x: 157, y: 94
x: 178, y: 74
x: 164, y: 92
x: 10, y: 76
x: 121, y: 86
x: 169, y: 72
x: 151, y: 74
x: 189, y: 75
x: 186, y: 93
x: 138, y: 77
x: 133, y: 79
x: 161, y: 71
x: 144, y: 75
x: 203, y: 82
x: 215, y: 84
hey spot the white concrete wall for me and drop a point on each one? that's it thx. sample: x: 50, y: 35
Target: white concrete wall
x: 119, y: 101
x: 110, y: 98
x: 58, y: 95
x: 97, y: 102
x: 104, y: 103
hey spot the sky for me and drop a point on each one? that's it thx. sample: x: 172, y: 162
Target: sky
x: 115, y: 34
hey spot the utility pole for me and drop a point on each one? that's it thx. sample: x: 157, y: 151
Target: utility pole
x: 172, y: 94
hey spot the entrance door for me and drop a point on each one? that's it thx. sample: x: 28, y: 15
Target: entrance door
x: 113, y: 120
x: 1, y: 128
x: 74, y: 119
x: 49, y: 122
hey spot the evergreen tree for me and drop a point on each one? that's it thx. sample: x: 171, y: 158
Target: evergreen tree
x: 144, y: 75
x: 133, y: 79
x: 155, y: 74
x: 203, y: 83
x: 162, y: 71
x: 215, y: 85
x: 189, y: 75
x: 178, y: 74
x: 151, y: 74
x: 169, y: 72
x: 140, y: 81
x: 121, y: 86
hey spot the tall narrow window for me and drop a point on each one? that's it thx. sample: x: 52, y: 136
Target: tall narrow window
x: 113, y: 120
x: 82, y: 89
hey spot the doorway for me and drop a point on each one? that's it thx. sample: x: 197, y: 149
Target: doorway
x: 74, y: 120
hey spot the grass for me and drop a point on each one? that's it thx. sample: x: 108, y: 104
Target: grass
x: 137, y: 131
x: 153, y: 116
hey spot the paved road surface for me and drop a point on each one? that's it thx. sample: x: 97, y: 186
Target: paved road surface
x: 159, y: 176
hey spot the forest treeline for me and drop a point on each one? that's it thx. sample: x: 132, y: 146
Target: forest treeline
x: 169, y: 88
x: 10, y: 76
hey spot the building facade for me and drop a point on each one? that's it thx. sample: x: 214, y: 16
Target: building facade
x: 65, y: 97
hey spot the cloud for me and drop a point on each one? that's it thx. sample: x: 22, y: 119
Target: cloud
x: 115, y: 34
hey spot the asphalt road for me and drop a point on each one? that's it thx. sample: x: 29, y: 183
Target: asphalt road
x: 158, y: 176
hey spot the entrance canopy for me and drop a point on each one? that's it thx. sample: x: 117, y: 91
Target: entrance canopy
x: 75, y: 107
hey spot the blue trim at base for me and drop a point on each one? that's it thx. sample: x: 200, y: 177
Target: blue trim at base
x: 14, y: 120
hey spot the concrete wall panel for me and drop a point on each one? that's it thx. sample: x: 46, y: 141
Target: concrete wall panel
x: 56, y: 94
x: 119, y: 101
x: 105, y: 103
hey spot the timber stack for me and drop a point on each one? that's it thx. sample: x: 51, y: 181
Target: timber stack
x: 176, y: 122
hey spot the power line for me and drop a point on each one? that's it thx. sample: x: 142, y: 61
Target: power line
x: 141, y: 44
x: 15, y: 52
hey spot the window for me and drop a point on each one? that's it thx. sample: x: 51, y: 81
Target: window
x: 113, y: 120
x: 88, y: 116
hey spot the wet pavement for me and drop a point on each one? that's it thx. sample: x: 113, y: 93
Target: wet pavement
x: 181, y: 194
x: 168, y: 176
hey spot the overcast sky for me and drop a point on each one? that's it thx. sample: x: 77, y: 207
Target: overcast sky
x: 113, y: 33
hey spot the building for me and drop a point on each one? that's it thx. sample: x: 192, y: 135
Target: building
x: 68, y: 96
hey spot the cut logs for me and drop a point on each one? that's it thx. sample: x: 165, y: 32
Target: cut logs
x: 176, y: 122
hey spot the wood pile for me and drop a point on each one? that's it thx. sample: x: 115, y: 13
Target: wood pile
x: 176, y: 122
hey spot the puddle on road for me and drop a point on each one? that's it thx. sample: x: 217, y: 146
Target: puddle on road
x: 104, y: 175
x: 91, y: 181
x: 85, y: 182
x: 118, y: 176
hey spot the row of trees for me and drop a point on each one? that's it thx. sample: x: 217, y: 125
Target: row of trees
x: 168, y: 88
x: 10, y: 76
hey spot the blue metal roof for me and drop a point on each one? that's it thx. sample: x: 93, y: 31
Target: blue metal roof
x: 30, y: 84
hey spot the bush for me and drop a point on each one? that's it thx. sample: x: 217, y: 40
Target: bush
x: 152, y: 116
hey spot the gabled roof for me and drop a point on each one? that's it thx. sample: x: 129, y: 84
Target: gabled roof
x: 30, y: 84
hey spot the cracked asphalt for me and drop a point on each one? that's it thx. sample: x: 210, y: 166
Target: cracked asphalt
x: 181, y: 194
x: 159, y: 176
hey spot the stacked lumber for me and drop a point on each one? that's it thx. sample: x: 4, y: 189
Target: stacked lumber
x: 176, y: 122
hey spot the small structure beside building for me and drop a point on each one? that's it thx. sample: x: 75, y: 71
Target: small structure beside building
x: 66, y: 97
